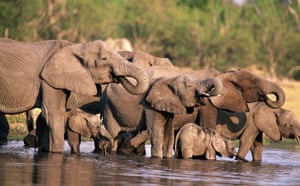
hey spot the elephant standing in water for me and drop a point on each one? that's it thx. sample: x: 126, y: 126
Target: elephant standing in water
x: 249, y: 127
x: 232, y: 92
x: 194, y: 141
x: 88, y: 125
x: 45, y: 75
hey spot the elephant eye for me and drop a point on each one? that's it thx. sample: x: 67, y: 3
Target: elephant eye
x: 104, y: 58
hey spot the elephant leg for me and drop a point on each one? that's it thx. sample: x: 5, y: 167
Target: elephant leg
x: 54, y: 110
x: 246, y: 142
x: 156, y: 128
x: 74, y: 141
x: 113, y: 128
x: 257, y: 148
x: 42, y: 133
x: 168, y: 138
x: 4, y: 129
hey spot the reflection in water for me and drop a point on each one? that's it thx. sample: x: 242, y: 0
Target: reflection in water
x: 19, y: 166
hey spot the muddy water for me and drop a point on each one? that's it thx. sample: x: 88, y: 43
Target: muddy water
x: 19, y: 166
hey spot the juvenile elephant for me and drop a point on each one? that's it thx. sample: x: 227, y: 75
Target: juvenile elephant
x: 194, y: 141
x: 88, y: 125
x: 249, y: 127
x: 48, y: 71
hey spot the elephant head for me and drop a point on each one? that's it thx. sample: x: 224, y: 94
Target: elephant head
x: 87, y: 125
x: 144, y: 60
x: 222, y: 145
x: 277, y: 123
x: 234, y: 89
x: 79, y: 67
x: 173, y: 95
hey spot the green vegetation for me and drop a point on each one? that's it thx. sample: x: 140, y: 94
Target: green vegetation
x: 196, y: 34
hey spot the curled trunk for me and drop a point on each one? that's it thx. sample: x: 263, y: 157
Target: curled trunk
x: 272, y: 88
x: 209, y: 87
x: 126, y: 69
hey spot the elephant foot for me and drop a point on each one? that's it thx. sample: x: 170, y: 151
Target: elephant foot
x: 241, y: 159
x: 30, y: 141
x: 58, y: 147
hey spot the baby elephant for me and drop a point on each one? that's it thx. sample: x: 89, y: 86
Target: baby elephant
x: 194, y: 141
x: 84, y: 124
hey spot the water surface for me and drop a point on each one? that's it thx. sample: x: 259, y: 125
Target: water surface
x: 21, y: 166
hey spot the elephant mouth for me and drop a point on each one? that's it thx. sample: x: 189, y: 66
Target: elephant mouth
x: 298, y: 139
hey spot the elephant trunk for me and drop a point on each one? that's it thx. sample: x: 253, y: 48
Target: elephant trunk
x: 127, y: 69
x: 272, y: 88
x: 209, y: 87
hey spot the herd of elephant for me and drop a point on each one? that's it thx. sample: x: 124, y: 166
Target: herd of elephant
x: 123, y: 99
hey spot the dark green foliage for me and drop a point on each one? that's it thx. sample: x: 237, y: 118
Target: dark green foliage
x: 196, y: 34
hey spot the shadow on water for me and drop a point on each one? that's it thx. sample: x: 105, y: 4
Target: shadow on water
x: 20, y: 166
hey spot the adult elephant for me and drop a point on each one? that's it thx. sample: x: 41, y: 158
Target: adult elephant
x: 238, y: 88
x: 232, y: 92
x: 124, y: 112
x: 249, y: 127
x: 48, y: 76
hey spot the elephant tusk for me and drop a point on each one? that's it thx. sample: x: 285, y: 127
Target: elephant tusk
x: 205, y: 94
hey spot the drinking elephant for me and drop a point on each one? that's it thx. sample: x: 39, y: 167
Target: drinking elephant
x: 249, y: 127
x: 45, y: 73
x: 194, y: 141
x: 81, y: 123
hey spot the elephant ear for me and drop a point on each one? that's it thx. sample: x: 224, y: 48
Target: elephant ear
x: 266, y: 120
x: 230, y: 97
x: 219, y: 143
x: 79, y: 125
x: 162, y: 98
x: 65, y: 71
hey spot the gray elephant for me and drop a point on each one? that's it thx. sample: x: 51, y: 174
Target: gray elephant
x: 91, y: 104
x: 124, y: 112
x: 144, y: 59
x: 46, y: 76
x: 88, y: 125
x: 249, y: 127
x: 194, y: 141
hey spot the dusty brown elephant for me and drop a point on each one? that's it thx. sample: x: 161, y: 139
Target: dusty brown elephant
x: 239, y: 87
x: 249, y: 127
x: 51, y: 76
x: 232, y: 92
x: 161, y: 108
x: 194, y: 141
x: 91, y: 104
x: 88, y: 125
